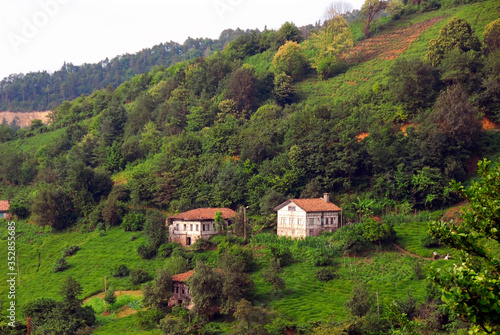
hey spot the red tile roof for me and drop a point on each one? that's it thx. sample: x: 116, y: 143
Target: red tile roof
x: 182, y: 277
x: 312, y: 205
x: 4, y: 205
x: 204, y: 214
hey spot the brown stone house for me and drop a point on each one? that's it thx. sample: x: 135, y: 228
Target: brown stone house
x: 185, y: 228
x: 180, y: 288
x: 4, y: 210
x: 308, y: 217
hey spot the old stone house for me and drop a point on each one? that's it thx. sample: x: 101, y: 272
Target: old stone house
x: 180, y: 290
x: 308, y: 217
x: 4, y: 210
x: 185, y: 228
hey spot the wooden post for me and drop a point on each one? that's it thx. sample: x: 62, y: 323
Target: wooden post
x: 28, y: 321
x: 105, y: 305
x: 378, y: 307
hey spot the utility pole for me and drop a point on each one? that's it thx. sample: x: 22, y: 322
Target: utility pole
x: 105, y: 305
x: 378, y: 307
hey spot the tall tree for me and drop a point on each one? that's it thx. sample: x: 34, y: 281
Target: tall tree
x: 455, y: 34
x: 370, y: 10
x: 290, y: 60
x: 330, y: 41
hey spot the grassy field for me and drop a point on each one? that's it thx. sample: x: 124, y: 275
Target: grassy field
x: 38, y: 250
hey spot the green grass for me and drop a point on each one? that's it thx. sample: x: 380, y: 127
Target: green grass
x: 38, y: 250
x: 307, y: 299
x: 124, y: 325
x: 410, y: 237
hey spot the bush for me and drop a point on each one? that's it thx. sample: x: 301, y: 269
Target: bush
x: 283, y: 254
x: 418, y: 270
x: 430, y: 242
x: 166, y: 249
x: 202, y: 244
x: 60, y: 265
x: 71, y: 250
x: 148, y: 319
x: 139, y: 276
x: 121, y: 271
x: 146, y: 251
x: 110, y: 297
x: 322, y: 261
x: 132, y: 222
x: 325, y: 274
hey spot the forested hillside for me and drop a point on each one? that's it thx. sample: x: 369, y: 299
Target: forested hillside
x: 44, y: 91
x: 382, y: 113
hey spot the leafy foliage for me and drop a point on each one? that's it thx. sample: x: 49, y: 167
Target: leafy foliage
x: 471, y: 288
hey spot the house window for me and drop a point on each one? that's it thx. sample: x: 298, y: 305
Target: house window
x: 197, y: 228
x: 292, y: 221
x: 177, y: 289
x: 322, y: 222
x: 283, y: 220
x: 177, y: 226
x: 214, y: 226
x: 299, y: 221
x: 326, y: 221
x: 311, y: 221
x: 291, y: 208
x: 183, y: 291
x: 185, y: 227
x: 203, y: 227
x: 191, y: 227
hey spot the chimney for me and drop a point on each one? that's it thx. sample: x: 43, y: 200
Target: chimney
x: 326, y: 197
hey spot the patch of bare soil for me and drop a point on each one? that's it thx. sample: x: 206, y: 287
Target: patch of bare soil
x: 23, y: 119
x: 390, y: 44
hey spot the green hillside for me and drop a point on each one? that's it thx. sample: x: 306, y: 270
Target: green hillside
x: 383, y: 123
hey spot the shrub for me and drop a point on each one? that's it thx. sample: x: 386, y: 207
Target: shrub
x: 283, y: 254
x: 71, y: 250
x: 60, y: 265
x: 148, y: 319
x: 202, y: 244
x: 166, y: 249
x: 322, y: 261
x: 132, y: 222
x: 325, y: 274
x: 146, y: 251
x: 139, y: 276
x: 120, y: 271
x: 430, y: 242
x: 110, y: 297
x: 418, y: 270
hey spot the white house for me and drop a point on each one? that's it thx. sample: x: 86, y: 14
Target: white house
x: 185, y: 228
x: 308, y: 217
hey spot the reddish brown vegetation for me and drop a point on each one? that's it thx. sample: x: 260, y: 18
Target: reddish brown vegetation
x: 389, y: 44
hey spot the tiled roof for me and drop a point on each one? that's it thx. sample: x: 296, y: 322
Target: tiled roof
x: 204, y: 214
x: 312, y: 205
x: 182, y: 277
x: 4, y: 205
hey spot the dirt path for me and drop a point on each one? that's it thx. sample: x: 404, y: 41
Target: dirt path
x: 409, y: 253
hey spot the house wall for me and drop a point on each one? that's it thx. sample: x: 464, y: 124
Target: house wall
x: 180, y: 230
x: 292, y: 221
x: 297, y: 223
x: 180, y: 294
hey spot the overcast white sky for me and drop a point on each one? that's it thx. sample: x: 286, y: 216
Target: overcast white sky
x: 40, y: 35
